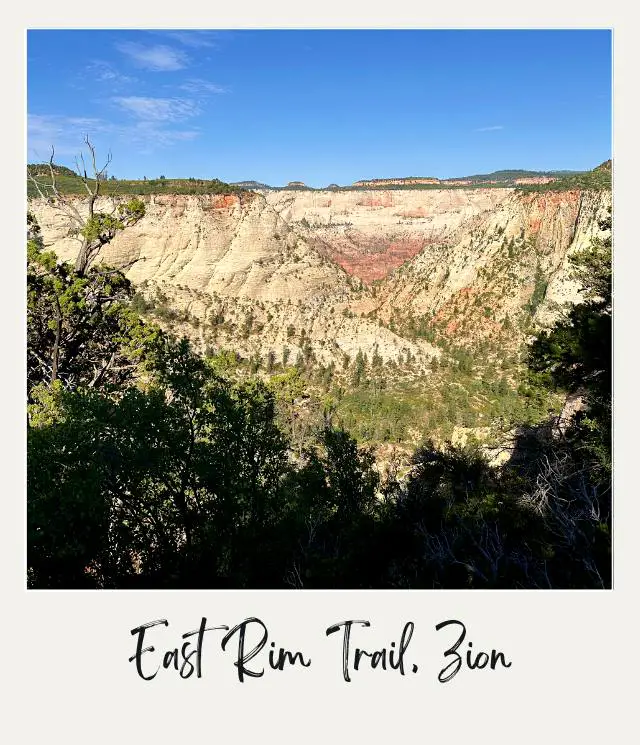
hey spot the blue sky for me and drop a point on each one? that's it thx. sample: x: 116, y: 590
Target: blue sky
x: 321, y: 106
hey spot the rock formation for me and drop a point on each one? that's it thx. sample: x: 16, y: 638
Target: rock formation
x: 326, y: 272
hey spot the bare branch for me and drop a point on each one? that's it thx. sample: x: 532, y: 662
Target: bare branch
x: 52, y: 171
x: 38, y: 186
x: 122, y: 268
x: 82, y: 172
x: 293, y: 577
x: 97, y: 173
x: 100, y: 373
x: 54, y: 197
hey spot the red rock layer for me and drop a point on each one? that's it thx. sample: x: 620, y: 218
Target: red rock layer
x: 370, y: 259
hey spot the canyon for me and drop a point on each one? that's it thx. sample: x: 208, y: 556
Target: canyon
x: 329, y: 274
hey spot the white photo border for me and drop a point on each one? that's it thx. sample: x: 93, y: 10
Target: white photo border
x: 572, y: 653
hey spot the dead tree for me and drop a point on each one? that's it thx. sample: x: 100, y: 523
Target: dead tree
x: 92, y: 229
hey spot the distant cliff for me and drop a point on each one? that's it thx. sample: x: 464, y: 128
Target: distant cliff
x: 409, y: 181
x: 333, y: 273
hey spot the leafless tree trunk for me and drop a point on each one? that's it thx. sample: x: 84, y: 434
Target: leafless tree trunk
x: 51, y: 193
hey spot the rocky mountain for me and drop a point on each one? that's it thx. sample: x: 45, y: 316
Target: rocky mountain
x: 496, y: 178
x: 407, y: 181
x: 252, y: 185
x: 326, y: 274
x: 501, y: 178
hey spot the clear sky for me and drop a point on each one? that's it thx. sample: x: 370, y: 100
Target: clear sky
x: 321, y: 106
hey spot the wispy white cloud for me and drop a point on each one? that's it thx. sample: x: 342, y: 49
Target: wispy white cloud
x: 157, y: 109
x: 51, y: 123
x: 67, y: 134
x: 156, y: 58
x: 150, y: 136
x: 103, y: 72
x: 199, y: 87
x: 194, y: 39
x: 489, y: 129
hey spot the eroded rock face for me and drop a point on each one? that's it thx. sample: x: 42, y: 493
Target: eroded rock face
x: 209, y: 244
x: 274, y: 263
x: 474, y: 284
x: 370, y: 233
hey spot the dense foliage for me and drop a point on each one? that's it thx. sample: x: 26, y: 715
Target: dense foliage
x: 150, y: 466
x: 69, y: 182
x: 599, y: 179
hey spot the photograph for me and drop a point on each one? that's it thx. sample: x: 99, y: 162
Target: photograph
x: 319, y: 309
